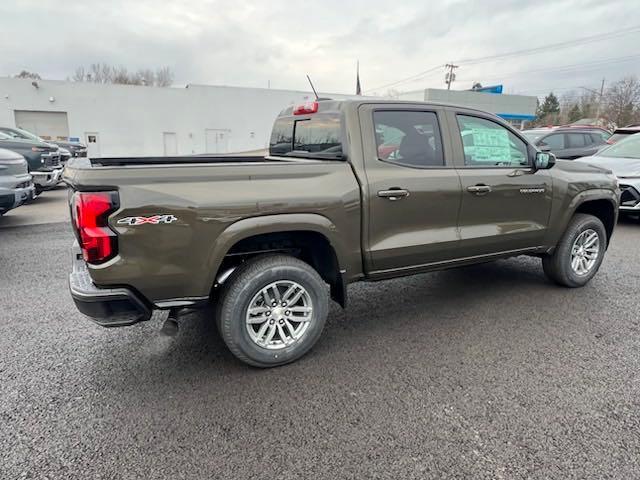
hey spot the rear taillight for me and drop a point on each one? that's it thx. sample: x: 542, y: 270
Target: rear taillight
x: 90, y: 214
x: 306, y: 108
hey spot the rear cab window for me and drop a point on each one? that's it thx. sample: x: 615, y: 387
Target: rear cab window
x: 314, y: 136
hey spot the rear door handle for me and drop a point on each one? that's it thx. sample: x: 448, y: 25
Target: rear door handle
x: 393, y: 193
x: 479, y: 189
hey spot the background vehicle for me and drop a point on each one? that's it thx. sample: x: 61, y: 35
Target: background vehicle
x: 568, y: 142
x: 76, y: 149
x: 16, y: 186
x: 358, y: 190
x: 66, y: 149
x: 42, y: 158
x: 624, y: 132
x: 623, y: 159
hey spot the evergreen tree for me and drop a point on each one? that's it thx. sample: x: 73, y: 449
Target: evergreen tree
x: 550, y: 106
x: 575, y: 113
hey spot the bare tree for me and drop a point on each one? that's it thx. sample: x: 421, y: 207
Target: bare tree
x: 27, y: 74
x: 164, y: 77
x: 146, y: 77
x: 80, y: 75
x: 104, y: 73
x: 622, y: 101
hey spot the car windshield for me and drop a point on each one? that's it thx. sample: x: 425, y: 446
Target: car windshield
x: 4, y: 136
x: 20, y: 134
x: 625, y: 148
x: 532, y: 134
x: 27, y: 135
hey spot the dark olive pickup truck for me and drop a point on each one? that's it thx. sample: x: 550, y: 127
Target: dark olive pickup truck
x: 350, y: 190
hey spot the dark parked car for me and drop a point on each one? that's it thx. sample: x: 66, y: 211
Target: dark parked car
x: 623, y: 132
x: 568, y: 143
x: 67, y: 149
x: 43, y: 160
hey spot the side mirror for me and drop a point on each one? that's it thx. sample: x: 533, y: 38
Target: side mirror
x: 544, y: 160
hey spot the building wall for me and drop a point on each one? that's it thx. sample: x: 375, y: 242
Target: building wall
x: 510, y: 107
x: 132, y: 120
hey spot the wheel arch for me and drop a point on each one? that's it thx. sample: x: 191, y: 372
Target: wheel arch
x: 310, y: 237
x: 603, y: 209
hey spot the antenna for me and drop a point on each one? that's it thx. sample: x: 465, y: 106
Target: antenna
x: 313, y: 88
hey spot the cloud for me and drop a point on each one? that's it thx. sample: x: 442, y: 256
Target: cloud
x: 252, y: 43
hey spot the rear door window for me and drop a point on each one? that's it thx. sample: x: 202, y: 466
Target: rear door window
x: 408, y: 137
x: 576, y: 140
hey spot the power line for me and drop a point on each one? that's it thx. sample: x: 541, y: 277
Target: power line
x: 543, y: 48
x: 408, y: 79
x: 564, y: 68
x: 516, y: 53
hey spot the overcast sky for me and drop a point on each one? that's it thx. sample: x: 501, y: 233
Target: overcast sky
x: 251, y: 43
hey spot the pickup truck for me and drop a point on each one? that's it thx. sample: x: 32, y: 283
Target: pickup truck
x: 43, y: 159
x: 16, y: 186
x: 351, y: 190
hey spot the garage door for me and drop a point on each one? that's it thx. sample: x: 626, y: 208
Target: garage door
x: 48, y: 125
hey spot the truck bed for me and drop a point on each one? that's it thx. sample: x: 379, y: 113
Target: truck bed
x: 178, y: 160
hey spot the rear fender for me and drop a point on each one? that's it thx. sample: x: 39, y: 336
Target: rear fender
x: 249, y: 227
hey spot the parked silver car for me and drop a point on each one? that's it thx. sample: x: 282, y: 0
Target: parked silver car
x: 623, y: 159
x: 16, y: 185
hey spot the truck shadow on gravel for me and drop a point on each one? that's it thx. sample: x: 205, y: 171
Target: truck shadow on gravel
x: 447, y: 300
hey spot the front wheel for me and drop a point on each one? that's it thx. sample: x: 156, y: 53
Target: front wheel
x: 272, y: 310
x: 579, y: 253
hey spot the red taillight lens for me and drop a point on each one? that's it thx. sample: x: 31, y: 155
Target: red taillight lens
x: 309, y: 107
x: 91, y: 211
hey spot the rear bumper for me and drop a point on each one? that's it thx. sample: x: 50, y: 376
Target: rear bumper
x: 109, y: 307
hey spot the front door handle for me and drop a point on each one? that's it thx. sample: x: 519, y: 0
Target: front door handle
x: 393, y: 193
x: 479, y: 189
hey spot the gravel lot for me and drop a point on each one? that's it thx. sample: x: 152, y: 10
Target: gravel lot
x: 482, y: 372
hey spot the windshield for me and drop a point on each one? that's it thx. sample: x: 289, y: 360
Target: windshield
x: 4, y: 136
x: 27, y: 135
x: 625, y: 148
x: 532, y: 135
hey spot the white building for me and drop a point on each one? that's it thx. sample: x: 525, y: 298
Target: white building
x: 127, y: 120
x: 516, y: 109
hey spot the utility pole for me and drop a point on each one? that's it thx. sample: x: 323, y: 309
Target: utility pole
x: 600, y: 100
x: 450, y: 76
x: 600, y: 95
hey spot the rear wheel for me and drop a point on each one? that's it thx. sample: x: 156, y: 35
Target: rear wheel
x: 579, y: 253
x: 272, y: 310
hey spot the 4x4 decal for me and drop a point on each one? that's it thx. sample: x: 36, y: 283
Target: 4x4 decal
x: 153, y: 220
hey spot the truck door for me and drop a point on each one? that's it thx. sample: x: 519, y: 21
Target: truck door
x: 505, y: 202
x: 413, y: 192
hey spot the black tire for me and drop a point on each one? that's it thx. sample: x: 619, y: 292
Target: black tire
x: 241, y: 288
x: 557, y: 266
